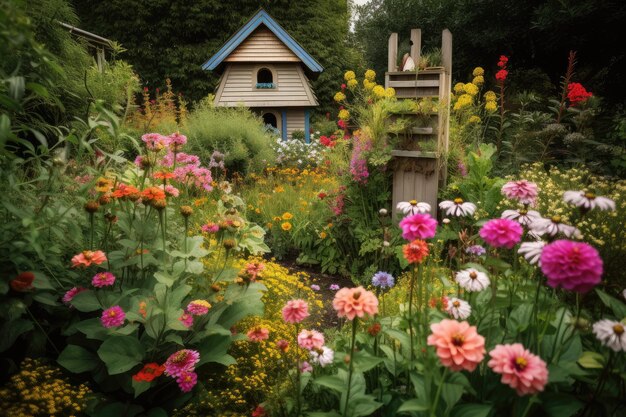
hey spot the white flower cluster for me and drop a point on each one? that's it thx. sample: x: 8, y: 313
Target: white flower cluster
x: 297, y: 153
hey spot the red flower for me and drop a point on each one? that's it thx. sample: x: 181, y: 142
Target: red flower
x: 576, y: 93
x: 327, y: 141
x: 322, y: 195
x: 501, y: 75
x: 149, y: 372
x: 341, y: 124
x: 259, y: 411
x: 343, y: 87
x: 503, y: 61
x: 374, y: 329
x: 23, y: 282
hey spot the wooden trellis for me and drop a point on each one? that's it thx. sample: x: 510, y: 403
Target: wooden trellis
x: 418, y: 173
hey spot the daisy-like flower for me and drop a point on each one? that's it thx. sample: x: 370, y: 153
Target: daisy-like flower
x: 413, y: 207
x: 187, y: 380
x: 523, y: 216
x: 458, y: 207
x: 588, y: 200
x: 459, y: 309
x: 323, y: 356
x: 383, y: 280
x: 472, y: 280
x: 198, y: 307
x: 113, y: 317
x: 103, y: 279
x: 552, y: 227
x: 181, y: 362
x: 523, y: 371
x: 523, y: 191
x: 532, y: 251
x: 611, y: 333
x: 310, y: 339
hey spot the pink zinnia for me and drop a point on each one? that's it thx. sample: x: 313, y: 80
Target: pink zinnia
x: 524, y: 191
x: 310, y: 339
x: 181, y: 362
x: 186, y: 319
x: 210, y: 228
x: 70, y: 294
x: 187, y: 380
x: 87, y: 257
x: 575, y: 266
x: 353, y: 302
x: 170, y: 190
x: 295, y: 311
x: 520, y: 369
x: 198, y: 307
x: 255, y: 268
x: 459, y: 346
x: 258, y: 334
x: 177, y: 139
x: 103, y: 279
x: 501, y: 233
x: 113, y: 317
x: 306, y: 367
x: 418, y: 226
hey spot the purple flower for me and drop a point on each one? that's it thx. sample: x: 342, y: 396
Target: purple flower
x: 334, y: 287
x: 315, y: 287
x: 476, y: 250
x: 383, y: 280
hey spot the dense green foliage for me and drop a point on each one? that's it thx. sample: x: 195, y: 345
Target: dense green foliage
x: 537, y: 34
x: 173, y: 39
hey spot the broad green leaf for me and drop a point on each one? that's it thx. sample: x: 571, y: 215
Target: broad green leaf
x: 333, y: 382
x: 77, y: 359
x: 140, y: 387
x: 560, y: 405
x: 11, y: 330
x: 451, y: 394
x: 618, y: 307
x: 413, y: 405
x: 214, y: 348
x: 92, y: 328
x: 121, y: 353
x: 591, y: 360
x: 86, y: 301
x: 472, y: 410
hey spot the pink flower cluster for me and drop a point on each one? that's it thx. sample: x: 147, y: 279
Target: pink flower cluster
x: 358, y: 162
x: 501, y: 233
x: 181, y: 366
x: 70, y: 294
x: 418, y: 226
x: 258, y: 334
x: 194, y: 175
x: 575, y: 266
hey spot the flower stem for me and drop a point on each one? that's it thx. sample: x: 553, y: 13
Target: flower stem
x: 351, y: 366
x: 433, y: 410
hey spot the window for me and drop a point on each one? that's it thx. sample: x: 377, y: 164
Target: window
x: 270, y: 119
x: 264, y: 78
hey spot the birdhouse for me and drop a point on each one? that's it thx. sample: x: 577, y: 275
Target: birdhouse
x: 263, y: 68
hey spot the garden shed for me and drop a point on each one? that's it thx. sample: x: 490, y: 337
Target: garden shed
x: 263, y: 68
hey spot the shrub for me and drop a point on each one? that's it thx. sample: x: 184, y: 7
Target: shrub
x: 234, y: 131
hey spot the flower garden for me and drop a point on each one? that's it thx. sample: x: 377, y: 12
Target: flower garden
x: 166, y: 258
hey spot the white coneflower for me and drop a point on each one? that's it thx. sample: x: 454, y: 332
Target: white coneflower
x: 523, y: 216
x: 323, y: 356
x: 552, y: 227
x: 457, y: 207
x: 532, y: 251
x: 588, y: 201
x: 472, y: 279
x: 459, y: 309
x: 611, y: 333
x: 225, y: 187
x: 413, y: 207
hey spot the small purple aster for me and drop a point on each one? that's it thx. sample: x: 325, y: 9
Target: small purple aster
x: 315, y: 287
x: 383, y: 280
x: 476, y: 250
x: 334, y: 287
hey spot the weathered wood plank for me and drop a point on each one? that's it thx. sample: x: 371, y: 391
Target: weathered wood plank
x: 392, y: 56
x: 415, y: 83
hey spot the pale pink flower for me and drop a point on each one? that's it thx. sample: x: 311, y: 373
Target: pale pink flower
x: 155, y: 141
x: 170, y: 190
x: 575, y: 266
x: 418, y: 226
x: 355, y: 302
x: 522, y: 216
x: 459, y: 346
x: 459, y: 309
x: 177, y: 140
x: 523, y: 371
x: 70, y: 294
x: 210, y: 228
x: 103, y: 279
x: 323, y: 356
x: 306, y: 367
x: 258, y: 334
x: 187, y: 380
x: 310, y: 339
x: 295, y: 311
x: 181, y: 362
x: 472, y: 280
x: 524, y: 191
x: 588, y: 200
x: 254, y: 269
x: 611, y: 333
x: 501, y: 233
x: 113, y: 317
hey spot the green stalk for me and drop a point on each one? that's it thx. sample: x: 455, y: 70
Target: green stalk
x: 351, y: 366
x: 438, y: 394
x: 411, y: 288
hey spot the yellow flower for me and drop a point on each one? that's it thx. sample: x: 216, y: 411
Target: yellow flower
x: 352, y: 83
x: 349, y: 75
x: 370, y: 75
x: 368, y: 84
x: 491, y: 106
x: 390, y: 92
x: 489, y: 96
x: 286, y: 226
x: 478, y: 80
x: 463, y: 101
x: 478, y: 71
x: 269, y: 225
x: 470, y: 89
x: 339, y: 97
x: 323, y: 235
x: 344, y: 114
x: 287, y: 216
x: 379, y: 91
x: 459, y: 87
x: 277, y: 218
x: 474, y: 119
x: 103, y: 185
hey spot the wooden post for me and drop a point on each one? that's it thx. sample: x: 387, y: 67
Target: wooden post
x: 392, y: 57
x: 446, y: 58
x: 416, y: 45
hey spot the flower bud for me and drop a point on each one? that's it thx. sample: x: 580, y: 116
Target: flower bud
x: 91, y: 206
x: 229, y: 244
x: 383, y: 212
x: 186, y: 211
x: 386, y: 244
x: 159, y: 204
x: 446, y: 221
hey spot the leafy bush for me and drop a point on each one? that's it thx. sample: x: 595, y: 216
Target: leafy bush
x: 234, y: 131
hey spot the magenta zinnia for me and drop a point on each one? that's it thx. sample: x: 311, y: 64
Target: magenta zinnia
x: 418, y: 226
x: 181, y: 363
x: 113, y: 317
x: 187, y: 380
x: 501, y: 233
x: 520, y: 369
x: 103, y: 279
x: 198, y: 307
x: 575, y: 266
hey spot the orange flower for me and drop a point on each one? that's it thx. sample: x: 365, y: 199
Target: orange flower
x: 162, y: 175
x: 124, y: 190
x: 458, y: 344
x: 87, y: 257
x: 415, y: 252
x: 153, y: 193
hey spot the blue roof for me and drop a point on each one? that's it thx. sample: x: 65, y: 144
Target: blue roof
x: 262, y: 17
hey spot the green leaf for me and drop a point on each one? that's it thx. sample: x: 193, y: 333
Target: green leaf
x: 46, y: 298
x: 363, y: 361
x: 121, y: 353
x: 119, y: 409
x: 86, y: 301
x: 618, y: 307
x: 451, y: 394
x: 92, y: 328
x: 413, y: 405
x: 591, y: 360
x: 333, y: 382
x: 11, y: 330
x: 139, y: 387
x: 471, y: 410
x: 214, y: 348
x: 560, y: 405
x: 77, y: 359
x: 362, y: 405
x: 165, y: 278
